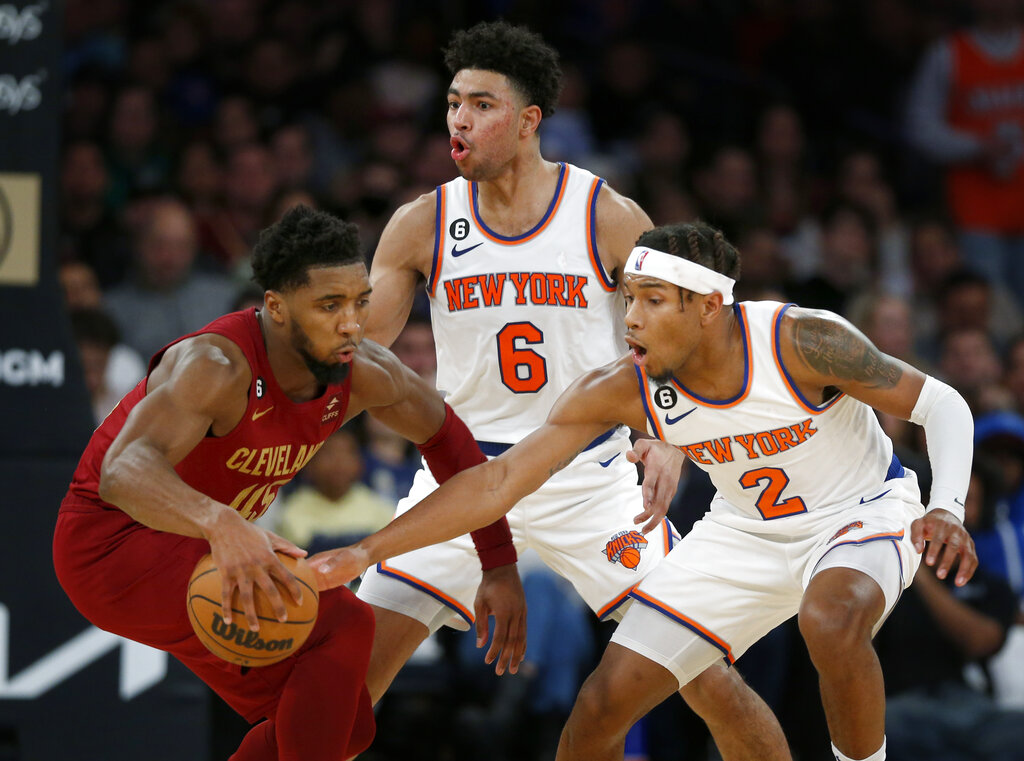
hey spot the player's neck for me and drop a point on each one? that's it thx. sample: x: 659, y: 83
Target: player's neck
x: 715, y: 370
x: 288, y: 367
x: 517, y: 200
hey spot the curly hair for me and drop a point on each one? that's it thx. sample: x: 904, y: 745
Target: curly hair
x: 697, y: 241
x: 530, y: 64
x: 302, y: 239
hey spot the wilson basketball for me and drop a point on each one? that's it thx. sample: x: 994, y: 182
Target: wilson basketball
x: 235, y: 642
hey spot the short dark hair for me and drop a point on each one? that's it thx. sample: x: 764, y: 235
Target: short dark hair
x: 697, y: 241
x: 95, y: 326
x: 302, y: 239
x: 520, y: 54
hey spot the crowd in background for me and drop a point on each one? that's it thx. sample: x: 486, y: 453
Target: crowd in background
x: 808, y: 130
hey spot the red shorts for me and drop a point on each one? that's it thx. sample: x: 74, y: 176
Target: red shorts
x: 131, y: 580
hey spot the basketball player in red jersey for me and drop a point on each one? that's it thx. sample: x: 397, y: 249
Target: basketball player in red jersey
x: 199, y: 448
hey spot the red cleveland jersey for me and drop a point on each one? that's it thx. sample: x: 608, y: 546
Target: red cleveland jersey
x: 986, y: 97
x: 246, y: 467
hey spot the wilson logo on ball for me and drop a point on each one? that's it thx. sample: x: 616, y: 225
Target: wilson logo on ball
x: 246, y: 638
x: 625, y: 548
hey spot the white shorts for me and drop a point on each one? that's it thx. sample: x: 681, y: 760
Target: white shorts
x: 722, y: 588
x: 580, y: 523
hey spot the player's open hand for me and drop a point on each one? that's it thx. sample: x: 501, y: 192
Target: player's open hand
x: 662, y: 465
x: 500, y: 594
x: 940, y: 528
x: 333, y: 568
x: 246, y: 556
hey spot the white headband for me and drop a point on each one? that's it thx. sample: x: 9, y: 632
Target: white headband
x: 682, y: 272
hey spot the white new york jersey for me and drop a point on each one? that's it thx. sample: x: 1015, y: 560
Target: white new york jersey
x: 517, y: 319
x: 771, y: 453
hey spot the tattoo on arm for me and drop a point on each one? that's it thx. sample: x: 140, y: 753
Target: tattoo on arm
x: 564, y: 462
x: 831, y: 348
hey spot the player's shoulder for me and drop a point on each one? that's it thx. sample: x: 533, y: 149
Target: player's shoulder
x: 207, y: 364
x: 408, y: 236
x: 620, y: 221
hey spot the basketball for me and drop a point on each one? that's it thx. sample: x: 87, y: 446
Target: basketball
x: 630, y: 557
x: 235, y: 642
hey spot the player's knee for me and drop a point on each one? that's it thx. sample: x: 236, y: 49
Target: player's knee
x: 831, y: 626
x: 600, y: 707
x: 716, y: 690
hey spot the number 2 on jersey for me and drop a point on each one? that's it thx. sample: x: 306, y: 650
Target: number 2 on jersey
x: 523, y: 370
x: 767, y: 502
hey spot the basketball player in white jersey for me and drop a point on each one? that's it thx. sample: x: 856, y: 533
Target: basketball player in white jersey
x: 521, y: 258
x: 813, y: 514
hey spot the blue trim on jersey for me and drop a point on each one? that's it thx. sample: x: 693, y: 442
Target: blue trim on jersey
x: 896, y: 469
x: 604, y: 616
x: 643, y: 398
x: 593, y: 236
x: 746, y: 369
x: 516, y: 238
x: 435, y: 264
x: 789, y: 379
x: 495, y: 448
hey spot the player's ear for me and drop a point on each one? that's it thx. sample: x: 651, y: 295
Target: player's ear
x: 529, y: 120
x: 274, y: 307
x: 711, y: 306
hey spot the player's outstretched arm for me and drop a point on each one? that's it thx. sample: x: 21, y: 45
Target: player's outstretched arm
x: 823, y: 351
x: 201, y: 384
x: 597, y: 401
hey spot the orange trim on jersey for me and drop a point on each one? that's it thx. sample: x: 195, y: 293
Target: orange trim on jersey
x: 872, y: 538
x: 439, y: 231
x: 591, y: 233
x: 749, y: 370
x: 610, y: 607
x: 688, y: 622
x: 428, y: 588
x: 784, y: 374
x: 548, y: 216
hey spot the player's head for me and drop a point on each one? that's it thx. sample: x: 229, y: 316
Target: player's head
x: 312, y: 270
x: 676, y: 281
x: 522, y: 56
x: 505, y: 80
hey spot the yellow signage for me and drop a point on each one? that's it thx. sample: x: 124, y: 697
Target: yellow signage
x: 20, y: 196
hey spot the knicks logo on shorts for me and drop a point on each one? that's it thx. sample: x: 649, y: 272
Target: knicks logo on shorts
x: 625, y: 547
x: 845, y: 530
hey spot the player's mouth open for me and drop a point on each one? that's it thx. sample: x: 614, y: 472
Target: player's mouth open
x: 638, y: 352
x: 345, y: 353
x: 459, y: 148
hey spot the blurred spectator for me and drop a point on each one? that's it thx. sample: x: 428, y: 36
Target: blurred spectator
x: 965, y: 113
x: 199, y: 176
x: 89, y: 230
x: 292, y: 149
x: 964, y: 299
x: 96, y: 337
x: 165, y: 296
x: 137, y: 161
x: 726, y: 188
x: 331, y: 507
x: 229, y: 231
x: 568, y: 134
x: 1000, y: 437
x: 861, y: 181
x: 123, y: 366
x: 765, y: 269
x: 969, y: 362
x: 1013, y: 378
x: 848, y: 254
x: 235, y: 123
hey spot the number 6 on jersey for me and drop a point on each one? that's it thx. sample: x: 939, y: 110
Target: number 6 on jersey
x: 523, y: 370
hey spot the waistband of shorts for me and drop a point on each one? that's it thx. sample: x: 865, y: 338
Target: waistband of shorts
x: 495, y: 448
x: 896, y: 469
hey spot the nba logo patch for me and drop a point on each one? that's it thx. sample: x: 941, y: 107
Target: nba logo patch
x: 640, y: 261
x: 625, y: 548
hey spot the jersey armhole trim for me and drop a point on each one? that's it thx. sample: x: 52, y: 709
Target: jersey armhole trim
x: 435, y: 265
x: 784, y: 373
x: 606, y: 282
x: 645, y: 396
